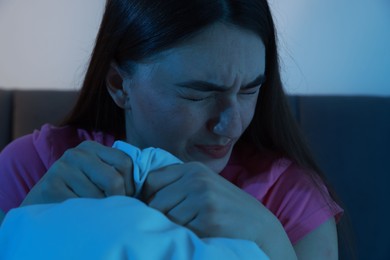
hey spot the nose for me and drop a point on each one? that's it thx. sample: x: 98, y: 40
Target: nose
x: 229, y: 122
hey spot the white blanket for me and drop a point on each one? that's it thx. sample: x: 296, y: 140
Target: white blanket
x: 112, y: 228
x: 144, y: 161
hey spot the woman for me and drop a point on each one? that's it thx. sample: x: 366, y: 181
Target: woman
x: 199, y: 79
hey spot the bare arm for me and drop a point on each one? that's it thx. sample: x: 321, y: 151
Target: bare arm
x: 319, y: 244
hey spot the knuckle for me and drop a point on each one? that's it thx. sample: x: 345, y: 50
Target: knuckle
x: 86, y: 147
x: 212, y: 224
x: 208, y: 199
x: 127, y: 163
x: 48, y: 187
x: 216, y: 228
x: 55, y: 171
x: 58, y: 165
x: 71, y: 154
x: 114, y: 185
x: 201, y: 183
x: 118, y: 183
x: 86, y: 144
x: 45, y: 188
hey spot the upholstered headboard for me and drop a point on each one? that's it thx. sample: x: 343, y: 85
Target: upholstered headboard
x: 349, y: 136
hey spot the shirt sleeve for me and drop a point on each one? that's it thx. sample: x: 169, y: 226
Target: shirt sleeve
x: 301, y: 202
x: 20, y: 169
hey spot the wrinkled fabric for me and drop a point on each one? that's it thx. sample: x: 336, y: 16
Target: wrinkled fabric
x: 281, y: 185
x: 145, y: 161
x: 113, y: 228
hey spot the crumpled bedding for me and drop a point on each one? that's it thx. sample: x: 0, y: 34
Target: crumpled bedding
x: 145, y: 161
x: 114, y: 228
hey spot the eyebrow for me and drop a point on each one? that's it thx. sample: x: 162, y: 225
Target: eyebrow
x: 209, y: 87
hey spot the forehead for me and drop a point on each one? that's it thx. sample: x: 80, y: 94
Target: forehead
x: 221, y: 54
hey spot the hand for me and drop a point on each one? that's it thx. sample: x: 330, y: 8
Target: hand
x: 193, y: 196
x: 89, y: 170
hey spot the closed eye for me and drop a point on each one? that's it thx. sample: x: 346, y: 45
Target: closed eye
x: 209, y: 87
x: 195, y: 99
x: 250, y: 91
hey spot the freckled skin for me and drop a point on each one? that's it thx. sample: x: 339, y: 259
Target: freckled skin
x: 161, y: 113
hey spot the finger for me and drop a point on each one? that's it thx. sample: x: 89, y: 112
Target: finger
x: 161, y: 178
x: 168, y: 197
x: 82, y: 186
x: 198, y: 226
x: 183, y: 213
x: 122, y: 163
x: 106, y: 178
x: 125, y: 169
x: 51, y: 191
x: 72, y: 178
x: 185, y: 173
x: 64, y: 194
x: 103, y: 175
x: 173, y: 201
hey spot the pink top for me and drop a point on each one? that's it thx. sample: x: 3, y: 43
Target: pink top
x: 283, y: 187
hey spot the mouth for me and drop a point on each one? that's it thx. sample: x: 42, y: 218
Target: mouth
x: 215, y: 151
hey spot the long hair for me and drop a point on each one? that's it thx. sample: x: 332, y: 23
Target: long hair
x: 134, y: 30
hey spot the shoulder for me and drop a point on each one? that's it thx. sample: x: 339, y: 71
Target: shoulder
x: 25, y: 160
x: 52, y: 141
x: 295, y: 195
x: 20, y: 168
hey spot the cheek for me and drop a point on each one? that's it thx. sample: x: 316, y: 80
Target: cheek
x: 184, y: 121
x: 165, y: 122
x: 248, y: 111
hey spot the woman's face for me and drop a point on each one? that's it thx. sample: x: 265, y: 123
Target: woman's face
x: 197, y: 99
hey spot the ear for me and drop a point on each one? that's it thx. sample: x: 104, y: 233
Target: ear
x: 114, y: 81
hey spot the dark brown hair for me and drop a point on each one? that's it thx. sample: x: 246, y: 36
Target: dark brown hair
x: 134, y: 30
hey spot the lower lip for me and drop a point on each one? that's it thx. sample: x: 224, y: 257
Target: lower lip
x: 216, y: 152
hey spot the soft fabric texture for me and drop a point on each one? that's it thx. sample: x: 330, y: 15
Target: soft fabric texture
x: 144, y: 161
x: 282, y: 186
x: 114, y: 228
